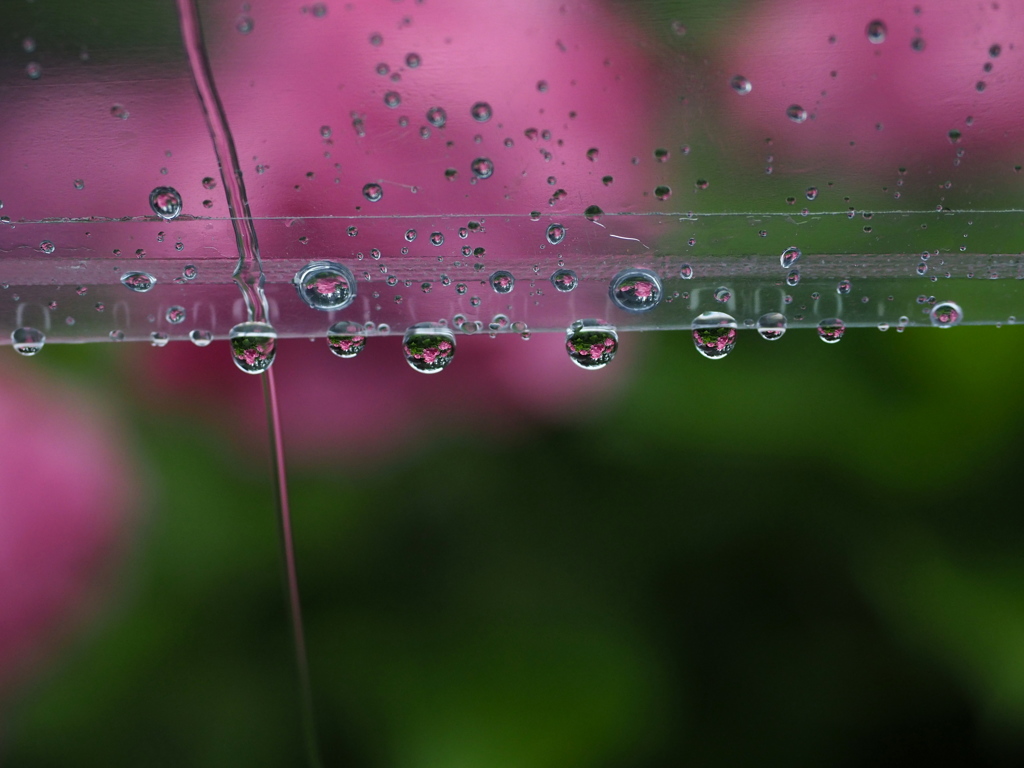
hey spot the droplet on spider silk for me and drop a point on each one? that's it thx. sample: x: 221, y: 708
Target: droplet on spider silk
x: 253, y: 346
x: 27, y: 341
x: 429, y: 347
x: 591, y: 344
x: 946, y: 314
x: 200, y: 338
x: 714, y: 334
x: 346, y: 340
x: 831, y: 331
x: 635, y: 290
x: 564, y: 280
x: 789, y: 257
x: 771, y: 326
x: 140, y: 282
x: 325, y: 285
x: 165, y: 202
x: 502, y: 281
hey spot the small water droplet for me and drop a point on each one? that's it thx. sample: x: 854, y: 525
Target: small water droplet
x: 946, y: 314
x: 741, y: 85
x: 47, y: 247
x: 771, y: 326
x: 392, y: 99
x: 158, y: 339
x: 876, y: 31
x: 593, y: 213
x: 481, y: 111
x: 79, y: 183
x: 253, y: 346
x: 346, y: 340
x: 436, y: 238
x: 437, y: 117
x: 27, y: 341
x: 995, y: 50
x: 140, y: 282
x: 556, y: 234
x: 723, y: 295
x: 175, y: 315
x: 591, y: 344
x: 564, y: 280
x: 635, y: 290
x: 844, y: 287
x: 244, y: 24
x: 189, y: 272
x: 325, y: 285
x: 410, y: 235
x: 502, y: 281
x: 373, y: 192
x: 714, y: 334
x: 678, y: 28
x: 165, y: 202
x: 663, y: 192
x: 789, y: 257
x: 34, y: 70
x: 429, y: 347
x: 116, y: 335
x: 413, y: 60
x: 831, y: 331
x: 201, y: 338
x: 811, y: 193
x: 482, y: 167
x: 796, y: 113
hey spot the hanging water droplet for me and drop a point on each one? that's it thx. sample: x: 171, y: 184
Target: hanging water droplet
x: 346, y: 339
x: 564, y: 280
x: 876, y: 31
x: 796, y: 113
x: 437, y: 117
x: 429, y: 347
x: 27, y: 341
x: 482, y: 167
x: 158, y: 339
x: 502, y: 281
x: 741, y: 85
x: 591, y: 344
x: 844, y: 287
x: 165, y: 202
x: 326, y: 285
x: 175, y: 315
x: 555, y: 234
x: 481, y: 111
x: 140, y: 282
x: 946, y: 314
x: 771, y: 326
x: 723, y: 295
x: 714, y: 334
x: 253, y: 346
x: 635, y: 290
x: 200, y: 338
x: 831, y: 331
x: 686, y: 272
x: 373, y: 192
x: 116, y: 335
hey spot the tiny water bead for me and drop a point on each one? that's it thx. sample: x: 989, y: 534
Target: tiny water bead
x: 410, y: 235
x: 189, y: 272
x: 789, y: 257
x: 714, y: 334
x: 158, y: 339
x: 27, y: 341
x: 564, y: 280
x: 392, y: 99
x: 373, y: 192
x: 876, y: 31
x: 723, y: 295
x: 140, y: 282
x: 345, y: 340
x: 326, y: 285
x: 831, y: 331
x: 482, y: 167
x: 175, y: 315
x: 591, y: 344
x: 47, y: 247
x: 253, y: 346
x: 481, y: 111
x: 771, y: 326
x: 436, y: 238
x: 437, y: 117
x: 556, y: 234
x: 593, y: 213
x: 502, y: 281
x: 796, y: 113
x: 165, y: 202
x: 844, y: 287
x: 946, y: 314
x: 741, y: 85
x: 429, y: 347
x: 793, y: 278
x: 686, y: 272
x: 663, y: 192
x: 635, y: 290
x: 200, y: 338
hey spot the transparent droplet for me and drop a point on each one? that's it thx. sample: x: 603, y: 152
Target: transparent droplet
x: 373, y: 192
x: 165, y: 202
x: 796, y: 113
x: 635, y: 290
x: 209, y: 183
x: 34, y: 70
x: 844, y: 287
x: 253, y: 346
x: 592, y: 154
x: 502, y: 281
x: 793, y: 278
x: 555, y: 234
x: 811, y: 193
x: 140, y: 282
x: 410, y: 235
x: 876, y: 31
x: 200, y: 338
x: 47, y: 247
x: 346, y: 339
x: 663, y: 192
x: 244, y: 24
x: 481, y: 111
x: 158, y: 339
x: 714, y: 334
x: 175, y: 315
x: 392, y: 99
x: 946, y: 314
x: 741, y: 85
x: 564, y: 280
x: 413, y: 60
x: 686, y: 272
x: 482, y: 167
x: 429, y: 347
x: 593, y: 213
x: 27, y: 341
x: 789, y: 257
x: 437, y: 117
x: 723, y: 295
x: 116, y: 335
x: 436, y: 238
x: 591, y: 344
x: 831, y: 331
x: 189, y: 272
x: 79, y: 183
x: 326, y: 285
x: 771, y: 326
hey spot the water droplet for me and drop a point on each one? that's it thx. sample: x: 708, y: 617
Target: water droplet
x: 429, y: 347
x: 392, y: 99
x: 876, y: 31
x: 140, y: 282
x: 79, y: 183
x: 413, y: 60
x: 918, y: 44
x: 436, y: 238
x: 714, y: 334
x: 831, y: 331
x: 946, y: 314
x: 793, y: 278
x: 741, y: 85
x: 686, y: 272
x: 28, y: 45
x: 165, y: 202
x: 253, y: 346
x: 844, y: 287
x: 34, y: 70
x: 789, y: 257
x: 201, y: 338
x: 995, y: 50
x: 591, y: 344
x: 556, y: 234
x: 410, y: 235
x: 116, y: 335
x: 346, y: 339
x: 811, y: 193
x: 175, y: 315
x: 771, y: 326
x: 481, y: 111
x: 635, y: 290
x: 663, y: 192
x: 158, y: 339
x: 373, y: 192
x: 47, y: 247
x: 189, y: 272
x: 796, y: 113
x: 326, y: 285
x: 482, y: 167
x: 723, y: 295
x: 244, y: 24
x: 502, y: 281
x: 437, y: 117
x: 564, y: 280
x: 27, y: 341
x: 593, y: 213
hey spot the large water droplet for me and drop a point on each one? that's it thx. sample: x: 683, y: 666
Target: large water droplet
x: 714, y: 334
x: 556, y: 234
x: 771, y: 326
x: 373, y: 192
x: 564, y: 280
x: 502, y: 281
x: 165, y: 202
x: 253, y: 346
x: 831, y: 331
x: 482, y: 167
x: 741, y: 85
x: 346, y: 339
x: 789, y: 257
x: 326, y: 285
x: 140, y: 282
x: 158, y: 339
x: 946, y: 314
x: 429, y: 347
x: 591, y: 344
x: 27, y: 341
x: 876, y: 31
x: 635, y: 290
x: 481, y: 111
